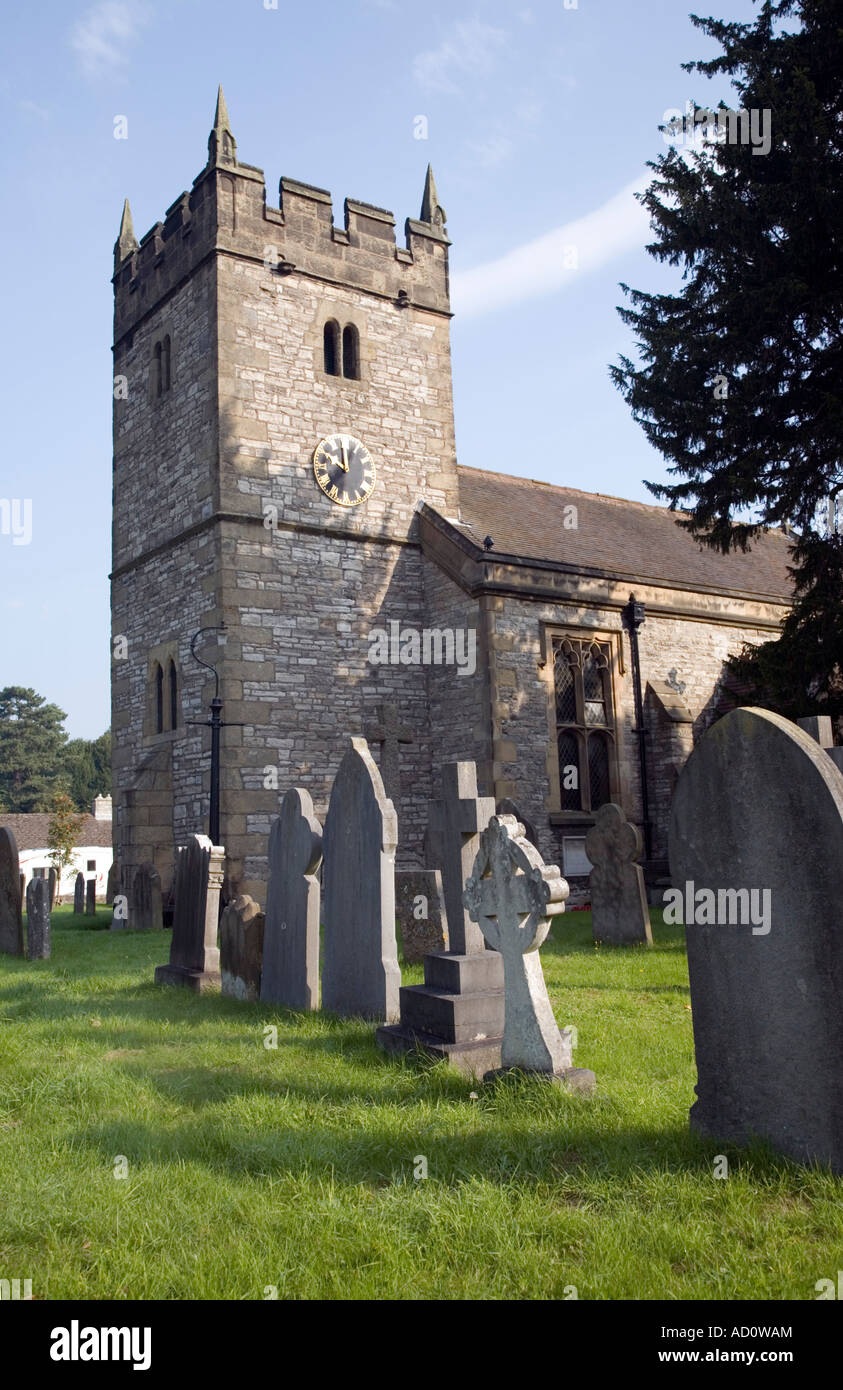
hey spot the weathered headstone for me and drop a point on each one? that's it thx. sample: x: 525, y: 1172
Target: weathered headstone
x: 512, y: 896
x: 756, y: 846
x: 91, y: 897
x: 390, y: 733
x: 38, y: 919
x: 291, y: 936
x: 241, y: 949
x: 458, y: 1013
x: 79, y: 894
x: 112, y: 885
x: 420, y: 910
x: 11, y: 922
x: 194, y: 954
x: 53, y: 878
x: 455, y: 823
x: 146, y: 910
x: 620, y: 915
x: 360, y: 973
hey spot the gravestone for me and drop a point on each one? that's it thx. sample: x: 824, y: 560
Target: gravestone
x: 819, y: 727
x: 79, y: 894
x: 458, y: 1013
x: 241, y: 949
x: 38, y: 919
x: 758, y: 812
x: 291, y: 936
x: 420, y: 911
x: 147, y: 907
x: 390, y: 734
x: 455, y: 822
x: 11, y: 879
x: 52, y: 881
x: 512, y: 896
x: 620, y: 915
x: 194, y: 955
x: 360, y: 973
x: 112, y: 883
x: 91, y: 897
x: 507, y: 807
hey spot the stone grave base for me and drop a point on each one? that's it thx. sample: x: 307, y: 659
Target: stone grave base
x: 199, y: 981
x: 576, y: 1079
x: 456, y: 1015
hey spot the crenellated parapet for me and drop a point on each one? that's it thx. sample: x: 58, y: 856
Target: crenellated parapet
x: 226, y: 213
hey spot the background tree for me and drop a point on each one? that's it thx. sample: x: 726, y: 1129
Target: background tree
x: 85, y: 769
x: 31, y: 742
x: 63, y: 833
x: 759, y: 238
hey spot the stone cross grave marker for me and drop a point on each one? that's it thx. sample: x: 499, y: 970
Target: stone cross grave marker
x: 756, y: 848
x: 455, y: 823
x: 241, y: 949
x: 360, y: 973
x: 390, y: 734
x: 512, y: 896
x: 91, y: 897
x: 38, y: 919
x: 819, y: 726
x: 11, y: 921
x: 620, y: 915
x: 147, y: 901
x: 291, y: 937
x: 194, y: 954
x: 79, y: 894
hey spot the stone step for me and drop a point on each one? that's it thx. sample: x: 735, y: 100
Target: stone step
x: 458, y: 974
x: 453, y: 1017
x: 473, y: 1059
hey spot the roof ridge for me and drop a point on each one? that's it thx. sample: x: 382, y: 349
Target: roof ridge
x: 560, y: 487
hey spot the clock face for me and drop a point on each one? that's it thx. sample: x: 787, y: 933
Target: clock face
x: 344, y: 469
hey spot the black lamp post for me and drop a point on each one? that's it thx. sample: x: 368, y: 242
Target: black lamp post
x: 634, y: 616
x: 215, y: 723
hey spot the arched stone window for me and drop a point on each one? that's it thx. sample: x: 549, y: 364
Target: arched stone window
x: 331, y: 343
x: 351, y: 352
x: 174, y: 695
x: 158, y: 368
x: 585, y: 723
x: 159, y: 698
x: 165, y: 364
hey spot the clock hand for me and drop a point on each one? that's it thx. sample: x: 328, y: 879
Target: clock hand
x: 344, y: 455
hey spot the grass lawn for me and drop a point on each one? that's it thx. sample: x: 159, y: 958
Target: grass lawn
x: 292, y: 1169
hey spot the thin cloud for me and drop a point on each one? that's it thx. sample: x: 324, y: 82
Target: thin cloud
x: 469, y: 50
x: 101, y: 38
x: 544, y: 265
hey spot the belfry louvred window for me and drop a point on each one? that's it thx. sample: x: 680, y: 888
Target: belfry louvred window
x: 585, y: 723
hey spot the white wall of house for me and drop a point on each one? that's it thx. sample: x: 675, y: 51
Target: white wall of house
x: 100, y: 856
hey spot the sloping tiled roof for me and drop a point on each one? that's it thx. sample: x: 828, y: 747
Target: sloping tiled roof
x: 30, y: 831
x: 525, y: 519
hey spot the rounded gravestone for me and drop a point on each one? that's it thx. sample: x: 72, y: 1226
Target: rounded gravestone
x: 759, y: 806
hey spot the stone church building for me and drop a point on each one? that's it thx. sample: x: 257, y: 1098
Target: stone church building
x: 285, y: 465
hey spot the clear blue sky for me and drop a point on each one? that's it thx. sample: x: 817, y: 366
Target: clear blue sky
x: 538, y: 116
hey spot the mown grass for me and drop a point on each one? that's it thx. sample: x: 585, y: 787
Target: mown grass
x: 252, y: 1170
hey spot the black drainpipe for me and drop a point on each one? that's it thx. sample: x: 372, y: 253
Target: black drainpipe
x: 634, y: 615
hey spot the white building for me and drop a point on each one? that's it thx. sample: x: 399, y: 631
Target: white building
x: 92, y: 856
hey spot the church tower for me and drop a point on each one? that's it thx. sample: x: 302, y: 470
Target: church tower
x: 282, y: 403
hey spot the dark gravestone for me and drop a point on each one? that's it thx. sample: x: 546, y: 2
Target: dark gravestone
x: 91, y: 897
x: 113, y: 883
x: 360, y: 973
x: 241, y: 949
x: 52, y: 881
x: 291, y: 936
x: 620, y: 915
x: 758, y: 812
x: 146, y: 905
x: 11, y: 922
x: 79, y: 894
x: 194, y: 955
x: 38, y: 919
x: 420, y: 911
